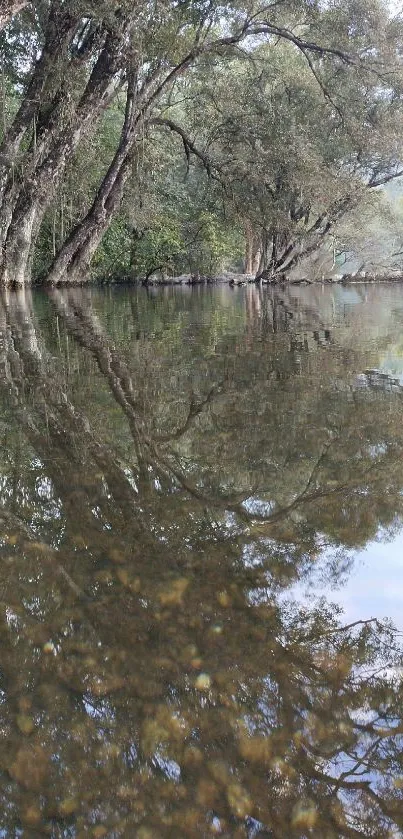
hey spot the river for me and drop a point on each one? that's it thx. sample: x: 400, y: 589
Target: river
x: 201, y: 557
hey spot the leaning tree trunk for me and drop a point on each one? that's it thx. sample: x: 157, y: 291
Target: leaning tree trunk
x: 52, y: 64
x: 25, y: 201
x: 72, y: 261
x: 253, y: 249
x: 265, y: 255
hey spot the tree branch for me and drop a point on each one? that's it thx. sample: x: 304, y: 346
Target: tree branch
x: 188, y: 144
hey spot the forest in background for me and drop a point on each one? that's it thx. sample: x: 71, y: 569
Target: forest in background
x: 191, y: 136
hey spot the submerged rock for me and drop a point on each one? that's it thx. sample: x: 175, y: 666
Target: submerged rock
x: 172, y: 594
x: 32, y: 816
x: 203, y: 682
x: 239, y: 800
x: 68, y: 806
x: 304, y: 816
x: 165, y: 728
x: 25, y: 724
x: 30, y: 767
x: 255, y: 749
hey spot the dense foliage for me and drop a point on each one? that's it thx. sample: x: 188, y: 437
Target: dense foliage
x: 191, y: 136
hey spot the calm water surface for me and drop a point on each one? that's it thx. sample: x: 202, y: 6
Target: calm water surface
x: 201, y: 554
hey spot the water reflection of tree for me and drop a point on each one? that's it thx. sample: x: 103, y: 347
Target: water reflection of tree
x: 152, y: 679
x: 306, y: 444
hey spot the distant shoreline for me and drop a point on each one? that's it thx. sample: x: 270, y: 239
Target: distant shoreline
x: 238, y: 280
x: 231, y: 280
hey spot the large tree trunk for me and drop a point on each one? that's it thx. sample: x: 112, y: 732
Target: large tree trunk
x: 72, y: 261
x: 264, y: 252
x: 25, y: 200
x: 47, y: 74
x: 17, y: 264
x: 253, y: 249
x: 60, y: 434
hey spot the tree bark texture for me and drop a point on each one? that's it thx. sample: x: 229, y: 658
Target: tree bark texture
x: 26, y: 195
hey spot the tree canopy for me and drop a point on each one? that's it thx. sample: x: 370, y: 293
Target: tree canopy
x: 289, y: 113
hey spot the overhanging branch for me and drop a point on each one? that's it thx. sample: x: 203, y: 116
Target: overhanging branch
x: 188, y: 144
x: 264, y: 28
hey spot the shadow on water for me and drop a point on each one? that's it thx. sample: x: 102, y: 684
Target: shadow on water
x: 171, y: 466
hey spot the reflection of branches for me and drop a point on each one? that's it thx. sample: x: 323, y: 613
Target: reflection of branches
x: 85, y: 327
x: 348, y: 626
x: 87, y: 330
x: 195, y: 409
x: 88, y: 333
x: 390, y: 810
x: 49, y: 555
x: 52, y: 419
x: 317, y: 467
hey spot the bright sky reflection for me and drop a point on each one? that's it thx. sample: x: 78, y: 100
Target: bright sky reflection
x: 374, y: 586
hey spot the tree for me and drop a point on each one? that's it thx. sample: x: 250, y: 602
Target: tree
x: 82, y: 55
x: 296, y: 151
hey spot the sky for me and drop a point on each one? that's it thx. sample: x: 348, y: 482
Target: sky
x: 373, y: 587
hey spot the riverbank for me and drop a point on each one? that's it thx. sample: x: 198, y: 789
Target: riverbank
x: 226, y: 278
x: 232, y: 279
